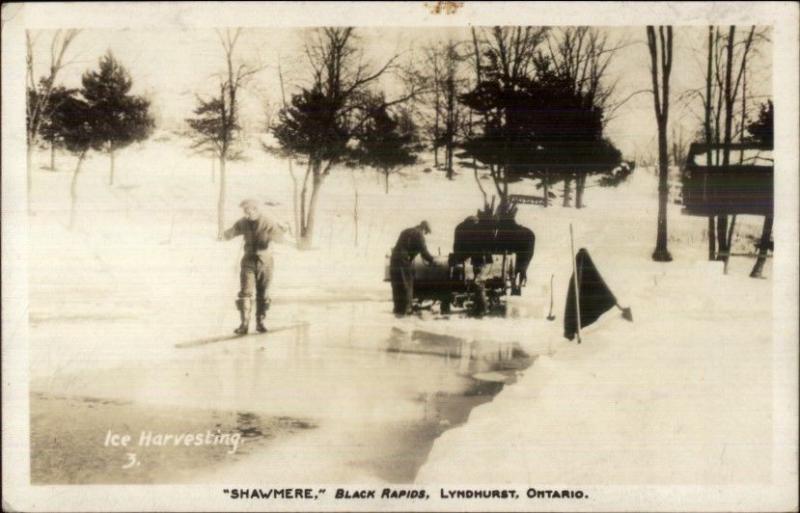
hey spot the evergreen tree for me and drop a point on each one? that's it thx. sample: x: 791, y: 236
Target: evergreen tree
x: 537, y: 128
x: 762, y: 130
x: 119, y: 117
x: 50, y: 128
x: 312, y: 125
x: 385, y: 143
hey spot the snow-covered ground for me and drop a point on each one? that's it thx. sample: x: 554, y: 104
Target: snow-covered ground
x: 682, y: 395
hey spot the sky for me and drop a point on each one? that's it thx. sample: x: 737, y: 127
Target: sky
x: 172, y: 67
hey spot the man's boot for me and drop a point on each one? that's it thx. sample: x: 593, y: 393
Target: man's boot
x: 261, y: 313
x: 243, y: 305
x: 260, y: 324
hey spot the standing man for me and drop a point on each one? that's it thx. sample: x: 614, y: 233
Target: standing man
x: 401, y: 271
x: 257, y: 263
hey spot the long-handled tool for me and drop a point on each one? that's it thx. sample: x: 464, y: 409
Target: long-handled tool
x: 575, y: 282
x: 550, y: 316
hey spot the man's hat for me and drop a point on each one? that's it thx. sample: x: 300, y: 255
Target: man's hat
x: 250, y: 202
x: 425, y: 227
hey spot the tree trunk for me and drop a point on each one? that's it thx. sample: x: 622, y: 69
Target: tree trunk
x: 580, y: 184
x: 52, y: 156
x: 567, y: 189
x: 308, y: 211
x: 436, y: 126
x: 712, y: 243
x: 302, y: 233
x: 722, y: 230
x: 111, y: 169
x: 478, y: 181
x: 722, y: 221
x: 312, y: 210
x: 29, y: 171
x: 546, y: 188
x: 386, y: 176
x: 744, y: 109
x: 295, y: 207
x: 450, y: 128
x: 729, y: 240
x: 448, y: 159
x: 766, y: 234
x: 221, y: 200
x: 661, y: 254
x: 73, y: 191
x: 661, y: 105
x: 355, y: 214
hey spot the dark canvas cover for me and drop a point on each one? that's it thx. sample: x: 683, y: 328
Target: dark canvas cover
x: 595, y: 296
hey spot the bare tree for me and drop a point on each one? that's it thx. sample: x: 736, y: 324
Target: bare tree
x: 477, y: 63
x: 38, y: 103
x: 730, y: 92
x: 295, y: 196
x: 453, y: 85
x: 433, y: 59
x: 660, y: 69
x: 216, y: 124
x: 712, y: 249
x: 443, y: 81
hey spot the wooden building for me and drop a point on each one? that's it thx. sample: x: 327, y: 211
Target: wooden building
x: 744, y: 186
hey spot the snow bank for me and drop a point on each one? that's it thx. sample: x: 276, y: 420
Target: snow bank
x: 680, y: 396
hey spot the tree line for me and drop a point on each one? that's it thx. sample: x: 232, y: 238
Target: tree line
x: 522, y: 103
x: 513, y: 104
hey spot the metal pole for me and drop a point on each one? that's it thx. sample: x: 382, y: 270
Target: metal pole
x: 575, y: 281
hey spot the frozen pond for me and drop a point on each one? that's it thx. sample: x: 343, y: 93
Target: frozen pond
x: 359, y: 396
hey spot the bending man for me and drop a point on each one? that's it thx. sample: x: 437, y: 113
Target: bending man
x: 401, y: 271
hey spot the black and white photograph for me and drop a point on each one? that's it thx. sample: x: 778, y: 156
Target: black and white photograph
x: 400, y: 256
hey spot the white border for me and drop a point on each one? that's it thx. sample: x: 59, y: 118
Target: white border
x: 781, y: 495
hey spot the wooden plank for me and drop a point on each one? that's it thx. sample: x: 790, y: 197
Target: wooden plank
x: 526, y: 199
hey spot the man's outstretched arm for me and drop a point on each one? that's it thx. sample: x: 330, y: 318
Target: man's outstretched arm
x: 233, y: 231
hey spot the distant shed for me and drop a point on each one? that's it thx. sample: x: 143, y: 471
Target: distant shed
x: 744, y: 186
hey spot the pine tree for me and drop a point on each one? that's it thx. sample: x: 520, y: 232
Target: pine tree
x: 120, y: 118
x: 385, y: 143
x: 50, y: 128
x: 537, y: 128
x: 763, y: 129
